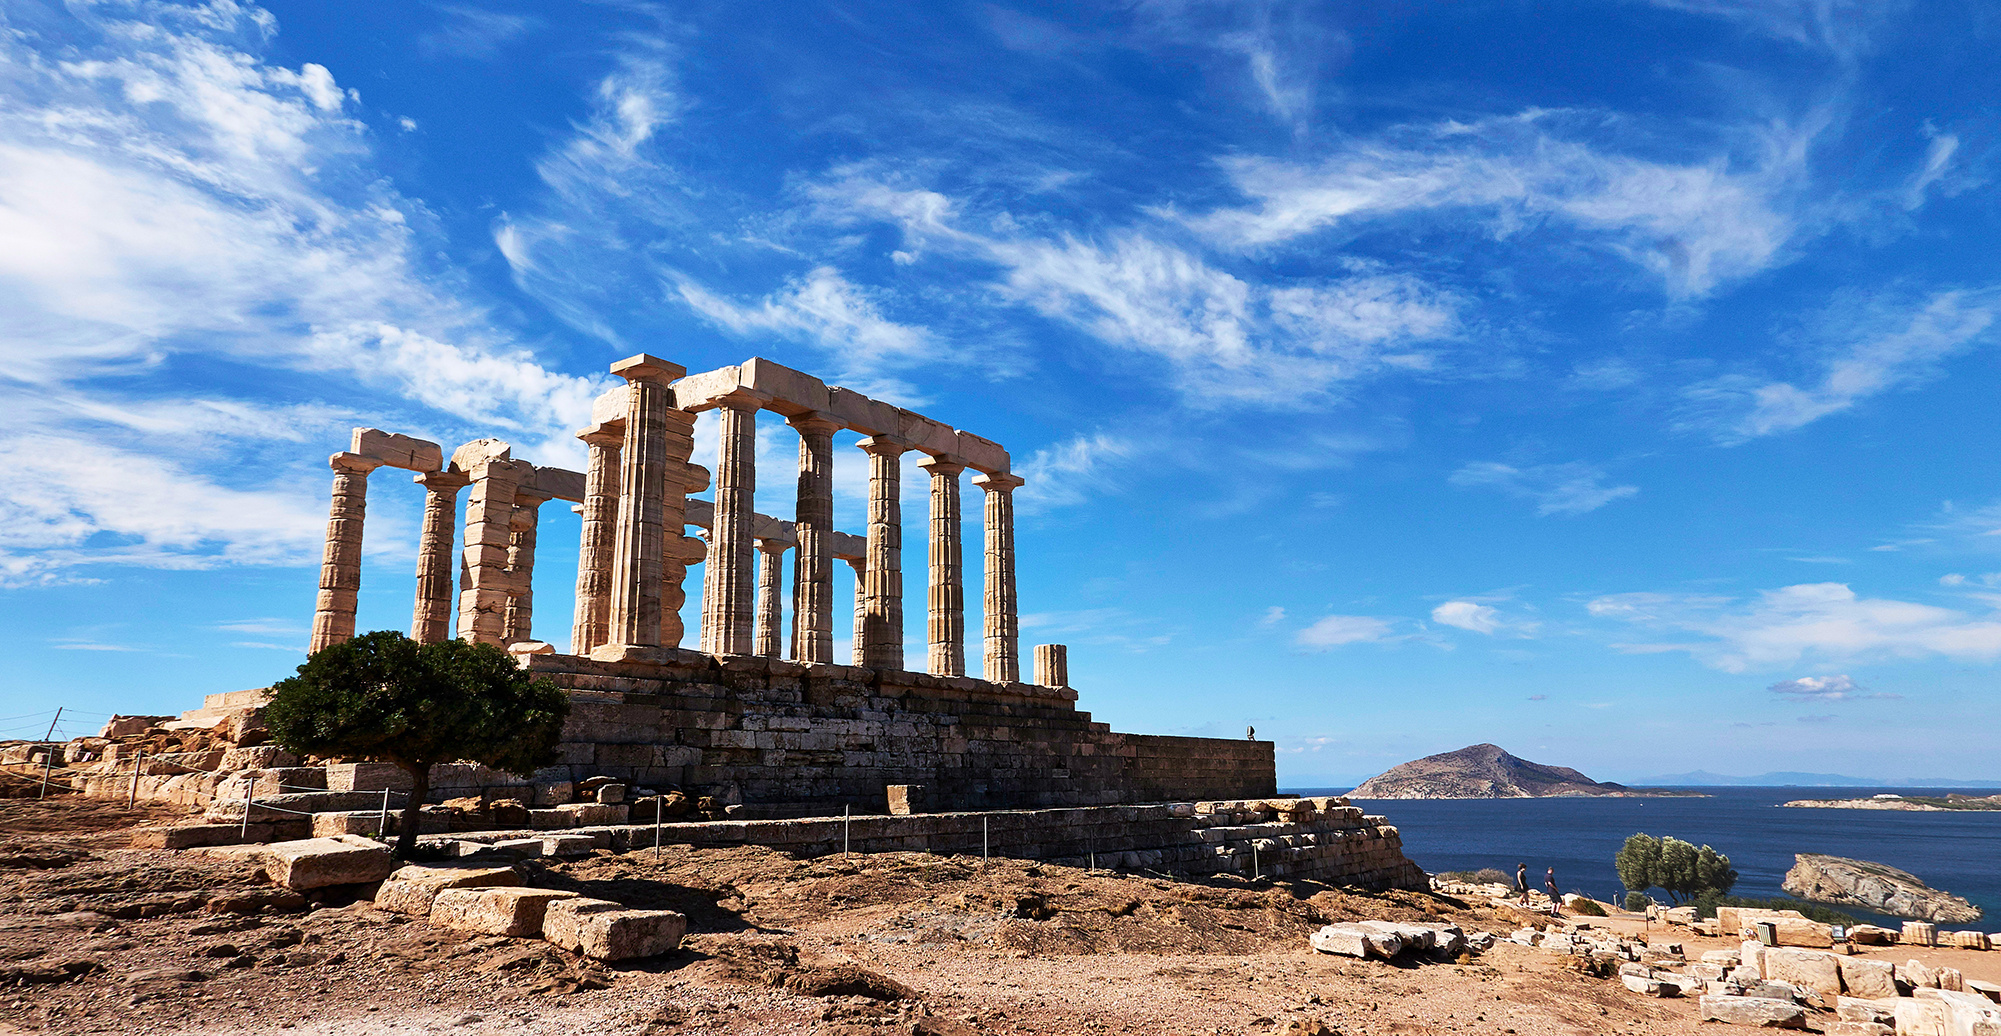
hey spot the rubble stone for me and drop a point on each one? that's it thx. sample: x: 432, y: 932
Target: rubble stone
x: 604, y: 930
x: 411, y: 889
x: 1762, y: 1012
x: 1820, y: 972
x: 1868, y: 978
x: 318, y: 862
x: 516, y: 912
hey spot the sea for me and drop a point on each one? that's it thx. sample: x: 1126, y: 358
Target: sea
x: 1959, y: 852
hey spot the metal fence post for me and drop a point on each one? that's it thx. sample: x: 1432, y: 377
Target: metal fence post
x: 986, y: 853
x: 249, y: 798
x: 132, y: 800
x: 847, y: 818
x: 49, y: 758
x: 382, y: 825
x: 659, y: 804
x: 1257, y: 872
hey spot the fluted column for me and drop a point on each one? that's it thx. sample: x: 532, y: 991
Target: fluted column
x: 340, y: 563
x: 588, y: 628
x: 813, y: 516
x: 860, y: 567
x: 729, y: 588
x: 1002, y: 627
x: 519, y: 624
x: 881, y: 631
x: 770, y: 590
x: 1052, y: 665
x: 644, y: 459
x: 946, y: 621
x: 486, y: 585
x: 679, y: 550
x: 431, y: 621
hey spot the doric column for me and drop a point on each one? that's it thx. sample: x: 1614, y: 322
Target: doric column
x: 486, y: 585
x: 644, y: 460
x: 340, y: 564
x: 679, y: 550
x: 1052, y: 665
x: 946, y: 622
x: 521, y: 567
x: 881, y: 630
x: 1002, y: 627
x: 770, y: 587
x: 431, y: 621
x: 588, y: 628
x: 813, y: 516
x: 860, y: 567
x: 729, y: 587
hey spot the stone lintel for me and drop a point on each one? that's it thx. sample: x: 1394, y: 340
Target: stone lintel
x: 353, y: 463
x: 478, y: 452
x: 445, y: 480
x: 559, y: 484
x: 398, y: 451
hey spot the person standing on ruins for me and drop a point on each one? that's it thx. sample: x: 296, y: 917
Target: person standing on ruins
x: 1522, y: 882
x: 1555, y: 899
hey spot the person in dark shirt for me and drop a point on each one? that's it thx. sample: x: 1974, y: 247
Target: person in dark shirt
x: 1522, y: 882
x: 1554, y: 897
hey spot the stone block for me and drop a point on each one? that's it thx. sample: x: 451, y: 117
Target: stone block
x: 318, y: 862
x: 569, y: 845
x: 1859, y: 1029
x: 398, y: 451
x: 604, y: 930
x: 1871, y: 935
x: 516, y: 912
x: 551, y: 819
x: 906, y: 799
x: 349, y: 822
x: 1354, y: 940
x: 1969, y: 940
x: 1916, y: 975
x: 591, y: 814
x: 1820, y: 972
x: 1869, y: 979
x: 1921, y: 1018
x: 1762, y: 1012
x: 1865, y: 1009
x: 554, y: 794
x: 1918, y: 933
x: 1641, y: 984
x: 610, y: 794
x: 411, y: 888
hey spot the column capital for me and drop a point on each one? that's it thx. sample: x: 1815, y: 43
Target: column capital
x: 443, y: 481
x: 531, y: 498
x: 943, y: 464
x: 1001, y: 482
x: 885, y: 446
x: 609, y: 435
x: 775, y: 544
x: 353, y: 463
x: 734, y: 399
x: 644, y: 367
x: 814, y: 422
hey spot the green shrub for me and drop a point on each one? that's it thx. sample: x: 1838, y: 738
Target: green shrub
x: 1491, y: 876
x: 1587, y: 907
x: 1637, y: 902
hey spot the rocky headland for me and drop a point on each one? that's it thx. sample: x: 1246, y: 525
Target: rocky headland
x: 1486, y: 772
x: 1874, y: 886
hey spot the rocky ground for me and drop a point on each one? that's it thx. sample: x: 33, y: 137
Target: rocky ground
x: 96, y: 937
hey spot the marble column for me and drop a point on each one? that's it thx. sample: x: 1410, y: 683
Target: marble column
x: 1002, y: 628
x: 860, y: 567
x: 770, y: 591
x: 881, y: 631
x: 633, y: 622
x: 729, y: 587
x: 679, y: 550
x: 340, y: 564
x: 485, y: 584
x: 598, y: 537
x: 519, y: 623
x: 431, y: 622
x: 946, y: 620
x: 813, y: 516
x: 1052, y: 665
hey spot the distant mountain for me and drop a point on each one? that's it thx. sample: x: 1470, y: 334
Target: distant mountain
x: 1481, y: 772
x: 1791, y: 778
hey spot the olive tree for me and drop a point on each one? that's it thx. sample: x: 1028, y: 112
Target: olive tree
x: 384, y: 697
x: 1678, y: 868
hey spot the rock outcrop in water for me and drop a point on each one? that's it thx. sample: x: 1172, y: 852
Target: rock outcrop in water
x: 1874, y: 886
x: 1481, y: 772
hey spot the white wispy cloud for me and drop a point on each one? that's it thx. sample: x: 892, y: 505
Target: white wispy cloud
x: 1070, y: 472
x: 1810, y: 620
x: 1824, y: 688
x: 1565, y: 489
x: 1938, y: 162
x: 1874, y: 347
x: 1693, y: 224
x: 1482, y: 618
x: 827, y: 311
x: 472, y: 32
x: 1838, y: 27
x: 1332, y: 631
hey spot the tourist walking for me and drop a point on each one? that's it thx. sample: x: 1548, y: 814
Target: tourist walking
x: 1522, y: 882
x: 1554, y: 898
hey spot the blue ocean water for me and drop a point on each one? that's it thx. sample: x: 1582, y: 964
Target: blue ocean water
x: 1959, y: 852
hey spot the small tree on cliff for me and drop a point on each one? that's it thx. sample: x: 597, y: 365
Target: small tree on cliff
x: 384, y: 697
x: 1676, y: 867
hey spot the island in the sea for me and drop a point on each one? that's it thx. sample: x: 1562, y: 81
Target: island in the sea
x: 1920, y: 803
x: 1489, y: 772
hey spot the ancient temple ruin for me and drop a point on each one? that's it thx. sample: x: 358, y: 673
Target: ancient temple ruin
x: 756, y: 712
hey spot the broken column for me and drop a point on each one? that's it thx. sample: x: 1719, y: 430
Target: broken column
x: 945, y: 623
x: 431, y: 621
x: 881, y: 631
x: 487, y: 585
x: 599, y: 536
x: 340, y: 565
x: 770, y: 586
x: 1001, y: 626
x: 813, y: 568
x: 644, y: 461
x: 1052, y: 665
x: 525, y: 524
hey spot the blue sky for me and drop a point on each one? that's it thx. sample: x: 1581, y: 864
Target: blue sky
x: 1611, y: 381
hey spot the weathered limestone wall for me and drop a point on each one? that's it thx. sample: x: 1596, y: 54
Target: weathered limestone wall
x: 766, y: 731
